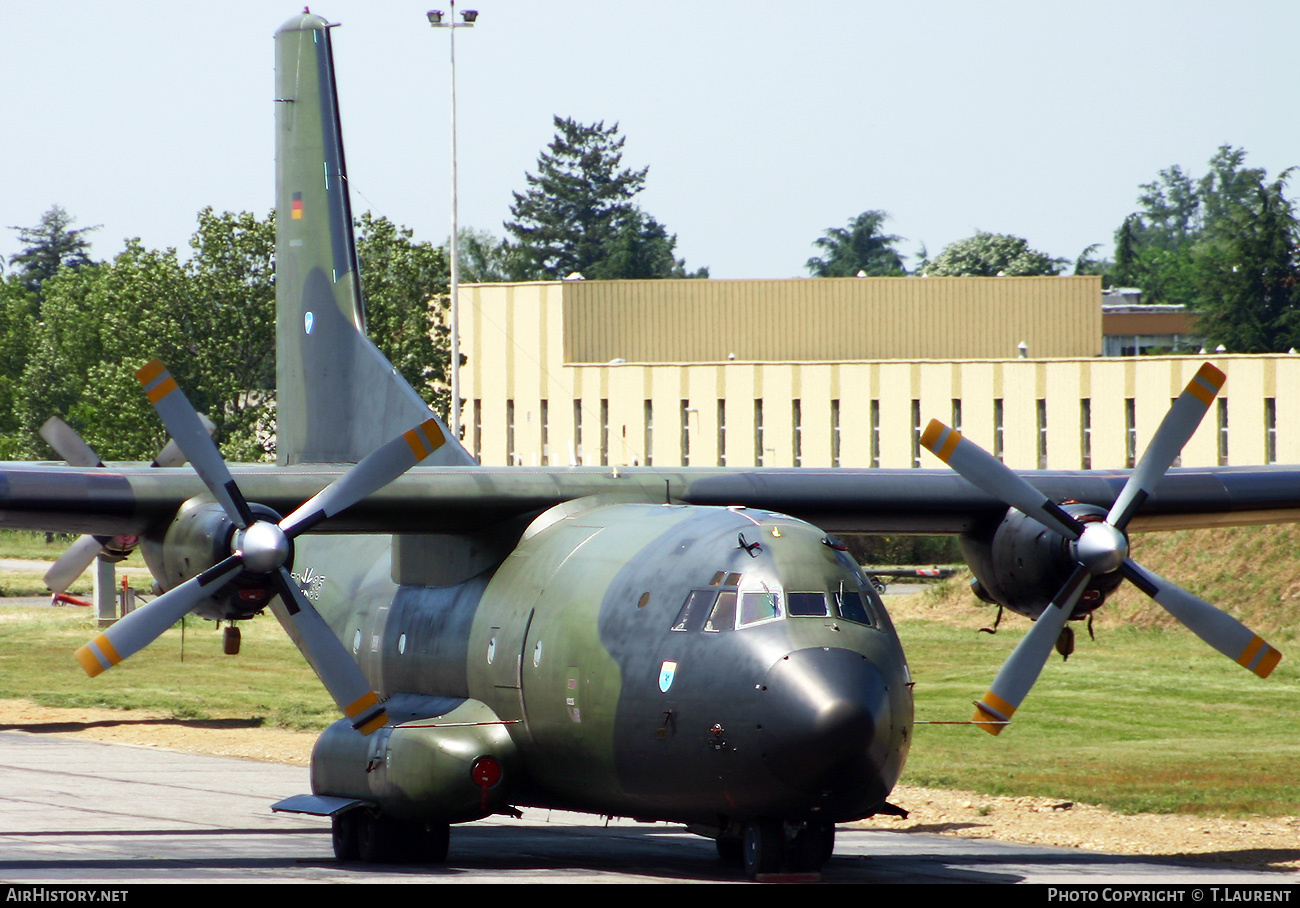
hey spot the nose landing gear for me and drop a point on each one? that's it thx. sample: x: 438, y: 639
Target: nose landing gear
x: 768, y: 846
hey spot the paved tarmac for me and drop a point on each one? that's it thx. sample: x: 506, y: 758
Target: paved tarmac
x: 78, y: 813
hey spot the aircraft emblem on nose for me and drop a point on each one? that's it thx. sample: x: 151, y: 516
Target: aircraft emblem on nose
x: 666, y: 673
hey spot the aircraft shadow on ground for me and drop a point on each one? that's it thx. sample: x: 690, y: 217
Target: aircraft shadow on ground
x: 52, y: 728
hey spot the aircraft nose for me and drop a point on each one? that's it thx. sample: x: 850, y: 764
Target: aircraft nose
x: 823, y: 709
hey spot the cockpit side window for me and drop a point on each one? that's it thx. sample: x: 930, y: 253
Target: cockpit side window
x: 849, y: 604
x: 723, y: 616
x: 695, y: 609
x: 759, y: 605
x: 812, y: 605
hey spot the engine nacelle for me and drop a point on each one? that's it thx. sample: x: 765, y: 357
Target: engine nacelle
x: 198, y: 538
x: 453, y: 768
x: 1021, y: 564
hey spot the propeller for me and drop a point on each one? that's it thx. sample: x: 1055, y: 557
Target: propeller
x: 263, y: 547
x: 1098, y: 548
x: 72, y: 448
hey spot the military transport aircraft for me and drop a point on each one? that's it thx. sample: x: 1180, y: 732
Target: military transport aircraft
x: 690, y: 645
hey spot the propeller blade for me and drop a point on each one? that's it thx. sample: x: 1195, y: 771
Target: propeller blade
x: 376, y: 470
x: 331, y: 661
x: 1026, y: 662
x: 72, y: 563
x: 1176, y: 429
x: 1216, y: 627
x: 982, y: 469
x: 72, y: 448
x: 68, y: 444
x: 171, y: 455
x: 141, y: 627
x: 183, y: 424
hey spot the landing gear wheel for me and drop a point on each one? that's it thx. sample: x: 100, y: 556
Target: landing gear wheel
x: 230, y: 640
x: 379, y: 839
x: 761, y: 850
x: 344, y: 831
x: 432, y: 843
x: 811, y: 847
x: 730, y: 849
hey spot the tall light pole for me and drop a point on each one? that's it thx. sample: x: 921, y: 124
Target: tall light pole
x: 468, y: 18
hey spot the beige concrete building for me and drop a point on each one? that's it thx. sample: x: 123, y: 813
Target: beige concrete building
x: 831, y: 372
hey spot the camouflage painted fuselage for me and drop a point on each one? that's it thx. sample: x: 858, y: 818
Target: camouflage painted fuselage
x: 619, y: 703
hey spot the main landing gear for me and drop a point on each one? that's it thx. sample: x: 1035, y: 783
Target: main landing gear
x: 377, y: 838
x: 773, y: 846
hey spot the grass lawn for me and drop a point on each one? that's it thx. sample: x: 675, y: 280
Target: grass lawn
x: 1139, y: 720
x: 183, y: 672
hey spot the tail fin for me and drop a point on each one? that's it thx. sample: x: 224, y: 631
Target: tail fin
x: 337, y: 397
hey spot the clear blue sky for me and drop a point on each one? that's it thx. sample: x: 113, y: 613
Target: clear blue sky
x: 763, y: 124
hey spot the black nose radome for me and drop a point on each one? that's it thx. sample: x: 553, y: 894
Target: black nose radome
x: 821, y: 710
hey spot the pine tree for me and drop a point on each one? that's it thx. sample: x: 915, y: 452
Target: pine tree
x: 50, y: 245
x: 577, y: 214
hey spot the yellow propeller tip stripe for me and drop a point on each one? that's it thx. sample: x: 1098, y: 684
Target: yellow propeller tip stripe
x: 374, y: 724
x: 87, y: 660
x: 930, y: 437
x: 1212, y: 374
x: 1268, y: 663
x: 150, y: 370
x: 992, y: 713
x: 433, y: 432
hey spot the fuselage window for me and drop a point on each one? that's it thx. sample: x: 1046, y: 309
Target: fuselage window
x: 759, y: 605
x: 850, y: 606
x: 812, y: 605
x: 697, y: 606
x: 875, y: 607
x: 723, y: 616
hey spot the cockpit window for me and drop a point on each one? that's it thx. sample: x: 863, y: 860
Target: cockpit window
x: 812, y: 605
x: 850, y: 606
x: 697, y: 606
x: 759, y: 605
x: 723, y: 616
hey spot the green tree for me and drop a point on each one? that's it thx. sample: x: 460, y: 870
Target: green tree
x: 484, y: 259
x: 578, y: 215
x: 404, y: 284
x: 1157, y: 245
x: 211, y: 319
x: 860, y: 248
x: 641, y: 249
x: 1248, y: 272
x: 17, y: 327
x: 231, y: 274
x: 50, y: 245
x: 991, y: 255
x: 97, y: 324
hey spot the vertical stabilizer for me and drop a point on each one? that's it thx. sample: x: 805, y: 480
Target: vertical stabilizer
x: 337, y: 397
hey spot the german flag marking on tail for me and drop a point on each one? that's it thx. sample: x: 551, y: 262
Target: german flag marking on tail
x: 295, y: 207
